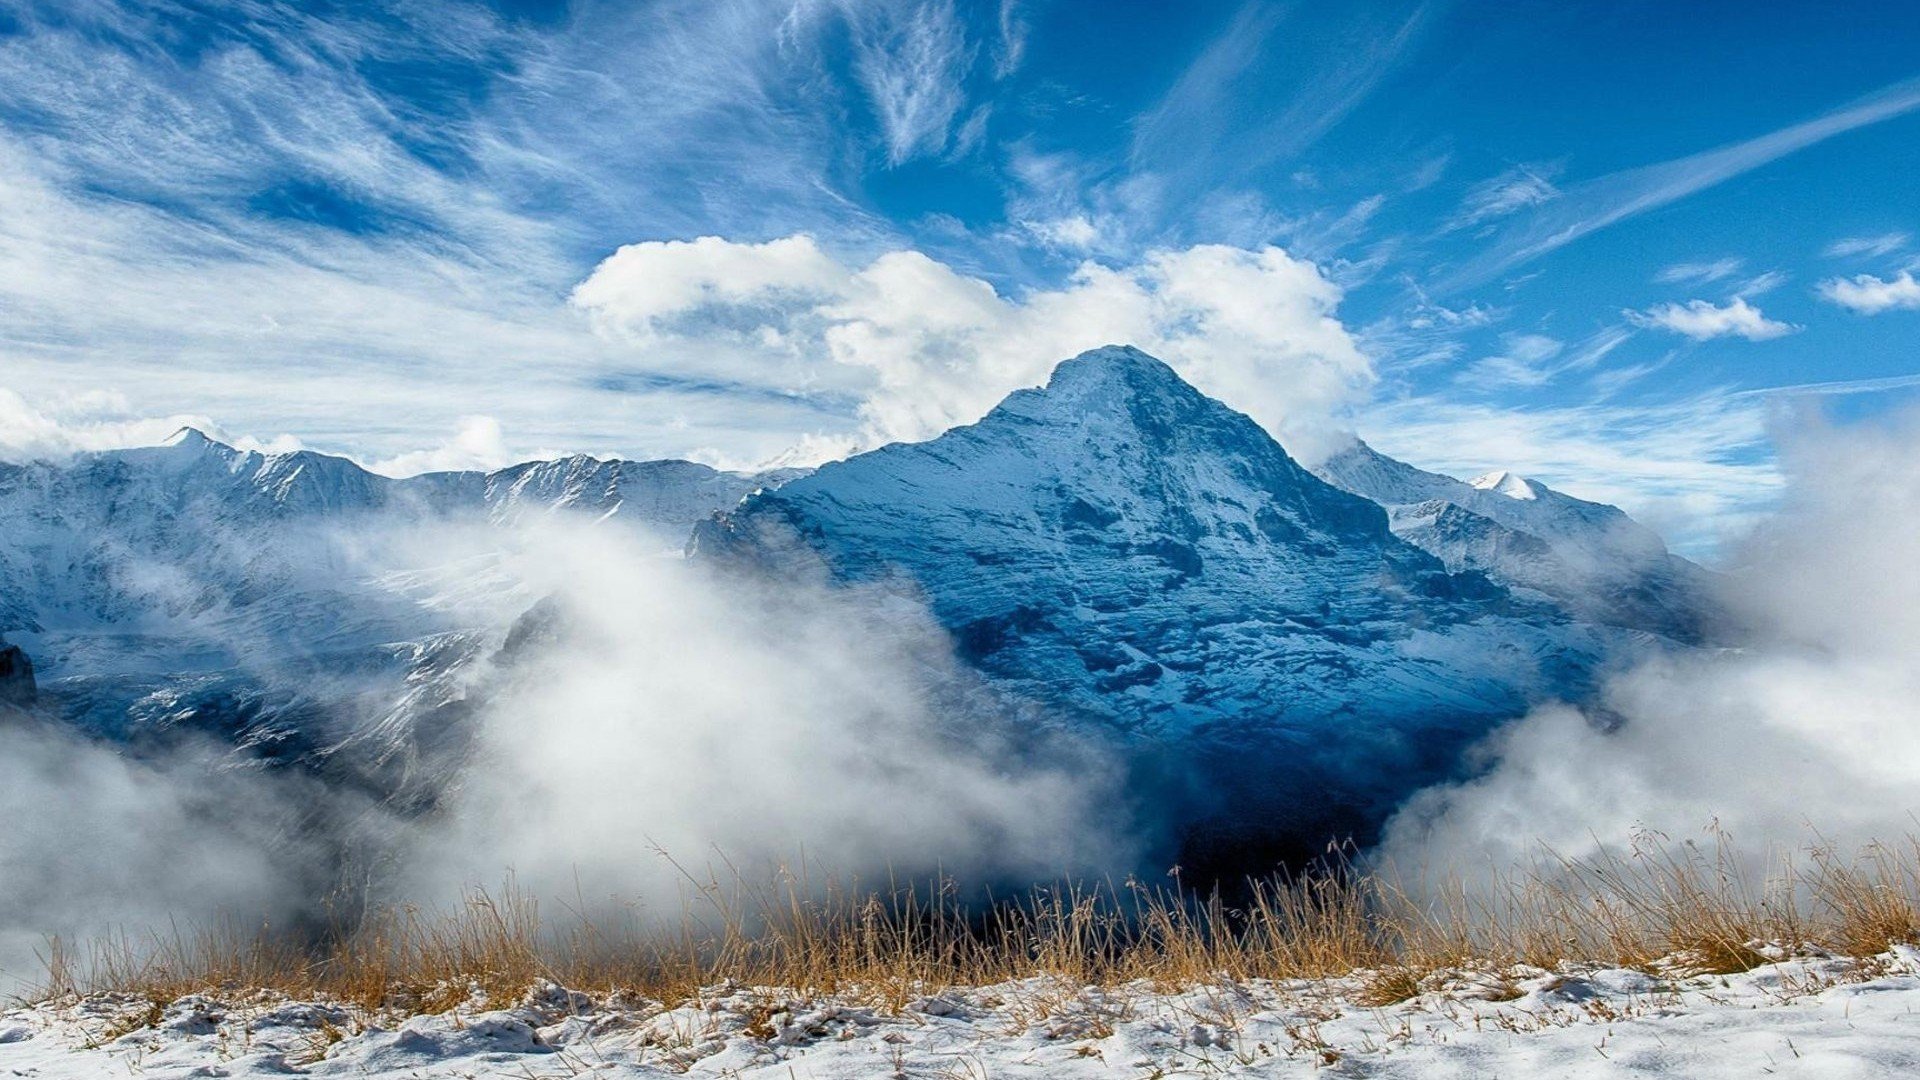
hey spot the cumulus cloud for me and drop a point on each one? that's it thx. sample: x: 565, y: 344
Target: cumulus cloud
x: 924, y: 347
x: 1703, y: 320
x: 1812, y: 723
x: 1076, y: 232
x: 479, y: 443
x: 642, y: 287
x: 59, y: 425
x: 1869, y: 295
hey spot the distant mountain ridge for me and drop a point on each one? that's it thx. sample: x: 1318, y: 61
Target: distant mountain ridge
x: 1589, y: 557
x: 227, y: 524
x: 260, y: 598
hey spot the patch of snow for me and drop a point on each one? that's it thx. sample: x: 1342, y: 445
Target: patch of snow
x: 1809, y: 1017
x: 1505, y: 483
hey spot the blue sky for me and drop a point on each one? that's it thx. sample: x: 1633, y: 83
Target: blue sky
x: 1589, y: 241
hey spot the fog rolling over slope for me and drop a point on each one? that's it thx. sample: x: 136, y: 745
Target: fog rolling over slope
x: 1804, y: 735
x: 1111, y: 627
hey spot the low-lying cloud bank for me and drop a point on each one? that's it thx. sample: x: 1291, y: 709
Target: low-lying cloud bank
x: 1813, y: 724
x: 661, y: 719
x: 672, y: 710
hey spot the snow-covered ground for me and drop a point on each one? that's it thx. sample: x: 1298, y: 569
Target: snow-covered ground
x: 1810, y: 1017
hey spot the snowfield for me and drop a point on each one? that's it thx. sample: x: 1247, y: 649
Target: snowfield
x: 1806, y: 1016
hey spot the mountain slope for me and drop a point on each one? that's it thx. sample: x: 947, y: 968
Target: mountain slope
x: 1149, y: 563
x: 1589, y: 557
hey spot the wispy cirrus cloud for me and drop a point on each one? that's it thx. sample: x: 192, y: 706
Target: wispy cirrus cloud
x: 1866, y: 294
x: 1703, y: 320
x: 1853, y: 247
x: 1523, y: 362
x: 1510, y: 192
x: 1010, y: 47
x: 360, y: 223
x: 1599, y: 203
x: 1699, y: 273
x: 913, y: 60
x: 1203, y: 124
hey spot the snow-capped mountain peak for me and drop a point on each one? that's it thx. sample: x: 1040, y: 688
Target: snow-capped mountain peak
x: 1502, y: 482
x: 193, y: 438
x: 1149, y: 563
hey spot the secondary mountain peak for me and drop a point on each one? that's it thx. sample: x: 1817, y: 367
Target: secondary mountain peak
x: 1502, y: 482
x: 192, y: 438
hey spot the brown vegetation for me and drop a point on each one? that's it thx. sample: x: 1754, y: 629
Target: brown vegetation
x: 1661, y: 905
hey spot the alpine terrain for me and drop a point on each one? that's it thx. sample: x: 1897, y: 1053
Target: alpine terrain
x: 1281, y: 660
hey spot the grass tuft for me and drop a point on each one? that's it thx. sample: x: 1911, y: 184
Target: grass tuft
x: 1660, y: 905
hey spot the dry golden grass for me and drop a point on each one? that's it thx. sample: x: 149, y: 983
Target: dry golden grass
x: 1671, y: 906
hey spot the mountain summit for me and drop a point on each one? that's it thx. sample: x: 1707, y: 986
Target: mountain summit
x: 1151, y: 564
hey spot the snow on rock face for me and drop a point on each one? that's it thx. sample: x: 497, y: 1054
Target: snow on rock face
x: 1148, y: 562
x: 1590, y: 558
x: 1505, y: 483
x: 195, y: 586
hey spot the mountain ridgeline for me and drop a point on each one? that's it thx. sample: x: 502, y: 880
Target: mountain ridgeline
x: 1279, y: 655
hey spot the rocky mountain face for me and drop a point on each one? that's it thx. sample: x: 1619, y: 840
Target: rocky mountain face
x: 1149, y: 563
x: 1589, y: 558
x: 17, y: 688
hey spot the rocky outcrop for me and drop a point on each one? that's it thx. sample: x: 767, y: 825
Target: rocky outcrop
x: 17, y: 689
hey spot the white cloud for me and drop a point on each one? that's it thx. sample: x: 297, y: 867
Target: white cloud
x: 1761, y: 284
x: 1866, y: 246
x: 1516, y: 189
x: 1596, y: 347
x: 1245, y: 102
x: 1697, y: 469
x: 1698, y: 273
x: 924, y: 347
x: 479, y: 443
x: 912, y: 61
x: 1703, y: 320
x: 58, y: 426
x: 1812, y: 724
x: 1075, y: 232
x: 642, y: 286
x: 1608, y: 200
x: 1011, y: 48
x: 1522, y: 364
x: 1870, y: 295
